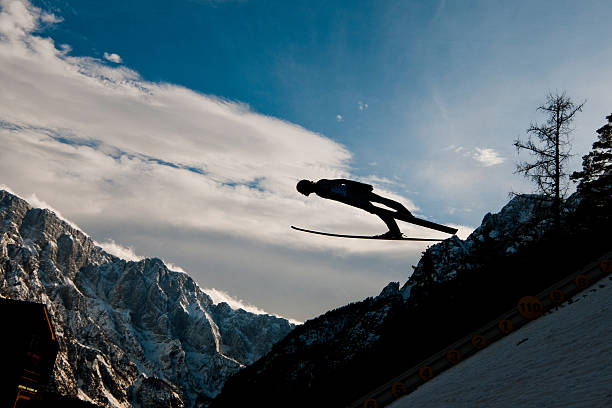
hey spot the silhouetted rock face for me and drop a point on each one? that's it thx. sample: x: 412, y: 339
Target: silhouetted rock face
x: 130, y: 333
x: 517, y: 225
x: 390, y: 290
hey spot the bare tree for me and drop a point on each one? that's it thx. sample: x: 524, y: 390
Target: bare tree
x: 549, y: 145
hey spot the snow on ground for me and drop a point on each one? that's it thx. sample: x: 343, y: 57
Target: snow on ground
x: 563, y: 359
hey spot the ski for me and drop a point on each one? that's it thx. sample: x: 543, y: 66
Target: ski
x: 329, y: 234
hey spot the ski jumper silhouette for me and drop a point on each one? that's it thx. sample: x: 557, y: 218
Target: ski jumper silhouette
x: 358, y: 195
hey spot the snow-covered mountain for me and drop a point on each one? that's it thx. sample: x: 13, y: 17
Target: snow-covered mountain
x: 131, y: 334
x: 456, y: 287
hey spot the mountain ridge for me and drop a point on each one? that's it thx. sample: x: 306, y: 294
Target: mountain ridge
x: 131, y: 333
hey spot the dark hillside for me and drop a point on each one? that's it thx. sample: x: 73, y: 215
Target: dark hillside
x: 457, y: 286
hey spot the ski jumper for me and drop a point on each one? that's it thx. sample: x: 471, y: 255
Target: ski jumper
x: 360, y: 195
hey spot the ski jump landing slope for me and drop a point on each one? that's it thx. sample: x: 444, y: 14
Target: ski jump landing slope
x: 561, y: 360
x: 552, y: 350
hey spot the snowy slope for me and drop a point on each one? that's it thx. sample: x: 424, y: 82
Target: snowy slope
x: 563, y: 359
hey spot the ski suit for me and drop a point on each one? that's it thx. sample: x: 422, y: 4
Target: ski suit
x: 359, y: 195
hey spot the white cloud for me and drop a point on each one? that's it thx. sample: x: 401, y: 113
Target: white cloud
x: 487, y: 157
x: 127, y: 147
x: 17, y: 19
x: 339, y: 118
x: 174, y: 267
x: 49, y: 18
x: 379, y: 180
x: 219, y: 296
x: 65, y: 48
x: 113, y: 57
x: 362, y: 106
x: 120, y: 251
x: 126, y: 158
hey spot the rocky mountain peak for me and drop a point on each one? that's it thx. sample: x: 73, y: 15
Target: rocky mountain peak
x: 131, y: 334
x: 391, y: 289
x: 519, y: 223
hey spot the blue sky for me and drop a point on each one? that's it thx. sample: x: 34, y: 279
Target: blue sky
x: 385, y: 79
x: 421, y: 98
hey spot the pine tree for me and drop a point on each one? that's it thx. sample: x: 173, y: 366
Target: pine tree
x: 596, y: 171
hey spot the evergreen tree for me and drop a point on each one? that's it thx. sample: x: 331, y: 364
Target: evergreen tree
x: 596, y: 171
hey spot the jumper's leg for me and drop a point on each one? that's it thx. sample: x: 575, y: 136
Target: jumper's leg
x: 391, y: 224
x: 381, y: 213
x: 389, y: 203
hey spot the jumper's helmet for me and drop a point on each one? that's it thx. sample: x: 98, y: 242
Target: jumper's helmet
x: 305, y: 187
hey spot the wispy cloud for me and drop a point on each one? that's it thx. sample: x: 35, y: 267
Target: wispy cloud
x: 113, y: 57
x: 173, y: 267
x: 339, y: 118
x: 362, y: 106
x: 219, y: 296
x: 150, y: 164
x: 487, y: 157
x: 104, y: 131
x: 49, y: 18
x: 379, y: 180
x: 120, y: 251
